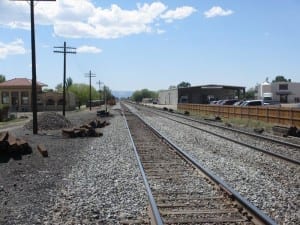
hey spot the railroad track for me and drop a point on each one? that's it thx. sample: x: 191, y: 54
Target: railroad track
x: 180, y: 190
x: 289, y: 152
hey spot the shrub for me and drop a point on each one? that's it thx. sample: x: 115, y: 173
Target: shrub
x: 3, y: 112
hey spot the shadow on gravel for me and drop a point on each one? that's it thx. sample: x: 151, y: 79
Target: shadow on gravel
x: 7, y: 154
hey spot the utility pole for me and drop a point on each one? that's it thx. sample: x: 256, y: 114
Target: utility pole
x: 71, y: 51
x: 90, y: 75
x: 104, y: 92
x: 33, y: 59
x: 105, y: 100
x: 99, y: 90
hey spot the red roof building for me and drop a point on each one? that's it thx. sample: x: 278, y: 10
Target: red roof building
x: 20, y: 82
x: 17, y: 93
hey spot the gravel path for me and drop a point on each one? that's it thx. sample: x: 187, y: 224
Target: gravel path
x: 269, y: 183
x: 83, y: 181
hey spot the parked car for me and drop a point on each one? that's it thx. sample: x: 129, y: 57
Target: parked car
x: 238, y: 103
x: 228, y: 102
x: 260, y: 103
x: 272, y: 103
x: 219, y: 102
x: 253, y: 103
x: 155, y: 101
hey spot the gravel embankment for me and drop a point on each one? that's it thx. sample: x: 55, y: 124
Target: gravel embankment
x: 270, y: 184
x: 83, y: 181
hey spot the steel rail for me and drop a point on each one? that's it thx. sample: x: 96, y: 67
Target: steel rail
x: 249, y: 206
x: 154, y: 208
x: 297, y: 162
x: 231, y: 129
x: 242, y: 143
x: 241, y: 131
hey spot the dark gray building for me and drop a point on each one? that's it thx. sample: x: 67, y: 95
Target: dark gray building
x: 205, y: 93
x: 200, y: 94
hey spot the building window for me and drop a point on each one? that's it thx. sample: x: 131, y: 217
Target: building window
x: 5, y: 98
x: 50, y: 102
x: 297, y: 99
x: 39, y: 101
x: 283, y: 87
x: 60, y: 102
x: 15, y: 98
x: 24, y: 98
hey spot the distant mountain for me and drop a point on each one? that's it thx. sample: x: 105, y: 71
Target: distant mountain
x: 122, y: 94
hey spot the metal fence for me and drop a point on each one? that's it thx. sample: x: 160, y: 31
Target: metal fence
x: 276, y: 115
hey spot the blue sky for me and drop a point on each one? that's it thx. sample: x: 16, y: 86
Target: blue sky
x: 131, y: 45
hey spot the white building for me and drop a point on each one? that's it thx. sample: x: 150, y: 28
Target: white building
x: 284, y: 92
x: 168, y: 97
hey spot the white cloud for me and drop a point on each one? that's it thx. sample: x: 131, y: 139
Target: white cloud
x: 159, y: 31
x: 82, y: 19
x: 12, y: 48
x: 116, y: 22
x: 20, y: 12
x: 74, y: 30
x: 217, y: 11
x: 88, y: 49
x: 178, y: 13
x: 19, y: 24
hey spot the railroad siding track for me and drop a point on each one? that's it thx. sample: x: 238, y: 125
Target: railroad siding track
x: 184, y: 194
x: 288, y: 141
x: 287, y: 151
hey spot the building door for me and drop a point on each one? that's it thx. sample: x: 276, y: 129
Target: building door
x: 15, y: 100
x: 283, y: 98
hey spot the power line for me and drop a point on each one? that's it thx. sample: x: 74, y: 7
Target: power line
x: 33, y: 58
x: 90, y: 75
x: 65, y: 52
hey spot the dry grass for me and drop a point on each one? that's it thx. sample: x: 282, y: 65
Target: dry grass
x: 239, y: 122
x: 250, y: 124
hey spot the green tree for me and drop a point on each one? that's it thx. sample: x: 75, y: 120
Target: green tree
x: 82, y: 93
x: 183, y: 84
x: 69, y: 82
x: 47, y: 90
x: 105, y: 92
x: 250, y: 93
x: 144, y: 93
x: 137, y: 96
x: 108, y: 93
x: 59, y: 87
x: 2, y: 78
x: 281, y: 78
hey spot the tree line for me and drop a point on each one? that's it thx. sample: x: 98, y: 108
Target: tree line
x: 138, y: 95
x: 82, y: 91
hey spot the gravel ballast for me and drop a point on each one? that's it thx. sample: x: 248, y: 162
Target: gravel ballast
x: 270, y: 184
x: 97, y: 180
x: 83, y: 181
